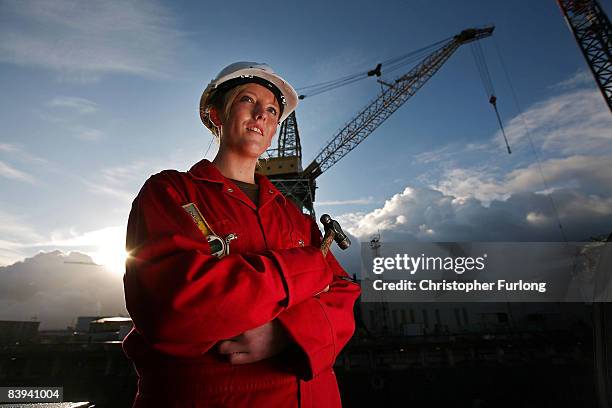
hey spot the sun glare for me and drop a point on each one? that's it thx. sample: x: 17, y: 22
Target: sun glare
x: 110, y: 251
x: 111, y: 258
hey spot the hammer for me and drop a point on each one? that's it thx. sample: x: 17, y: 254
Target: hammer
x: 333, y: 232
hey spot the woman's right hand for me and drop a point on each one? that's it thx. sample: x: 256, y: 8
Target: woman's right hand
x: 256, y: 344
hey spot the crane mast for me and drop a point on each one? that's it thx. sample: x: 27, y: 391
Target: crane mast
x: 593, y: 33
x: 284, y: 164
x: 288, y: 139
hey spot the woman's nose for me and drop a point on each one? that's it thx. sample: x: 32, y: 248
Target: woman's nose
x: 260, y: 112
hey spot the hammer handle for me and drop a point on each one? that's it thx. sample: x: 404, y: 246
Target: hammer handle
x: 327, y: 241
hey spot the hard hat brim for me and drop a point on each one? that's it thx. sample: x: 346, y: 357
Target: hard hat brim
x: 283, y: 91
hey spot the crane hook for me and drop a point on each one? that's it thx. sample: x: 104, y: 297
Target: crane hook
x: 493, y: 101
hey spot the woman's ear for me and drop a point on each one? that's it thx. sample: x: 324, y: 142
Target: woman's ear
x: 214, y: 116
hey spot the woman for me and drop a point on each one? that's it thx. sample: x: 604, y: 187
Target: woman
x: 232, y: 300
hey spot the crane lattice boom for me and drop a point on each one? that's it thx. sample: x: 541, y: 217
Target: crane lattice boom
x: 593, y: 33
x: 390, y: 99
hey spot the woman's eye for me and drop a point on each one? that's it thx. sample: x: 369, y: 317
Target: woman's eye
x: 246, y: 99
x: 272, y: 110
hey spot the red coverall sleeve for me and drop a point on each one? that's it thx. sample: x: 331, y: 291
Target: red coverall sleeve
x: 182, y: 300
x: 322, y: 325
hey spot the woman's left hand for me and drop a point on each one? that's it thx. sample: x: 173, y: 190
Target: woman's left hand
x: 256, y: 344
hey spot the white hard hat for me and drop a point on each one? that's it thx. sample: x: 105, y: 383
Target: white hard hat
x: 248, y: 72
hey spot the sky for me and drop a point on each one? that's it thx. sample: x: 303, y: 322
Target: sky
x: 98, y: 96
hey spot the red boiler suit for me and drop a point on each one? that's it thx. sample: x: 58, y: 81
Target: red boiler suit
x: 183, y: 300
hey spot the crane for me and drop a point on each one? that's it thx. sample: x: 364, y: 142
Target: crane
x: 284, y: 164
x: 593, y: 33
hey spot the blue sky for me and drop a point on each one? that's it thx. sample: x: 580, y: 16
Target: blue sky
x: 98, y: 96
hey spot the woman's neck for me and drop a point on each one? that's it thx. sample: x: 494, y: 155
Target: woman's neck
x: 236, y: 167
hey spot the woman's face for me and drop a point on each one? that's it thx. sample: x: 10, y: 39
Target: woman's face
x: 252, y: 121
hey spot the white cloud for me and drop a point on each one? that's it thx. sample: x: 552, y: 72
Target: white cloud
x: 9, y: 172
x: 83, y: 41
x: 94, y: 238
x: 18, y: 152
x: 16, y: 228
x: 586, y: 173
x: 429, y: 215
x: 537, y: 218
x: 6, y: 147
x: 88, y: 134
x: 580, y: 78
x: 440, y: 155
x: 356, y: 201
x: 10, y: 253
x: 56, y: 288
x: 114, y: 192
x: 481, y: 184
x: 15, y: 232
x: 62, y: 112
x: 479, y: 193
x: 404, y: 211
x: 590, y: 174
x: 80, y: 105
x: 124, y: 181
x: 106, y: 245
x: 20, y: 238
x: 571, y: 133
x: 575, y: 122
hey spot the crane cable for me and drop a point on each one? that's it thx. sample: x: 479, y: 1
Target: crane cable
x: 485, y: 76
x: 391, y: 64
x: 531, y: 144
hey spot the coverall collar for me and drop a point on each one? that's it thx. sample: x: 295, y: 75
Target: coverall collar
x: 205, y: 170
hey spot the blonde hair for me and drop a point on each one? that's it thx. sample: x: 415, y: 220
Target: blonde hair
x: 223, y: 106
